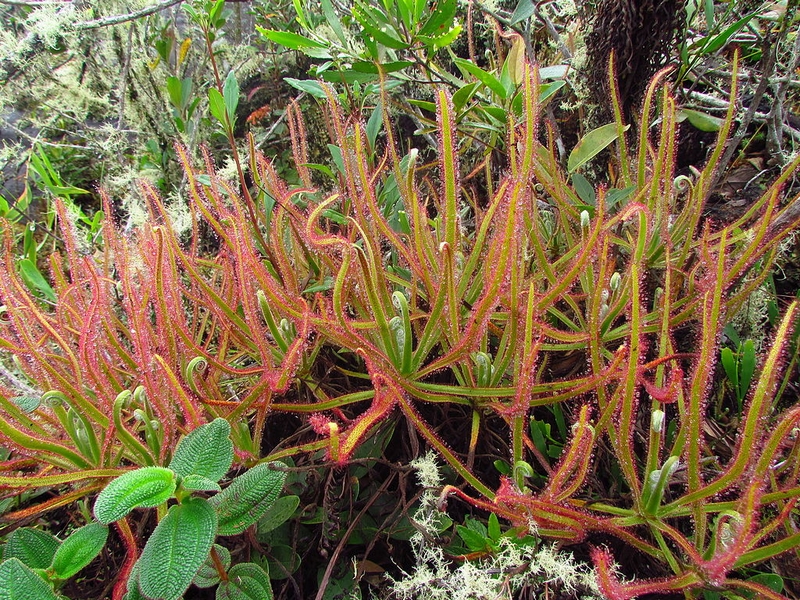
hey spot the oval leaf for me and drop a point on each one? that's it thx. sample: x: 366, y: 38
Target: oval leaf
x: 592, y: 144
x: 246, y: 581
x: 208, y: 575
x: 33, y: 547
x: 79, y: 549
x: 701, y: 120
x: 18, y: 582
x: 207, y: 451
x: 177, y: 549
x: 247, y: 498
x: 145, y: 487
x: 281, y: 511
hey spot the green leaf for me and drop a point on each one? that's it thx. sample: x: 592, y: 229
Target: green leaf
x: 591, y: 145
x: 388, y: 67
x: 712, y: 43
x: 731, y: 367
x: 280, y: 512
x: 374, y: 124
x: 79, y: 549
x: 748, y: 366
x: 177, y: 549
x: 207, y: 451
x: 524, y: 9
x: 376, y: 26
x: 216, y: 104
x: 348, y: 76
x: 333, y: 20
x: 584, y: 189
x: 464, y: 94
x: 230, y: 94
x: 246, y: 581
x: 484, y: 77
x: 702, y: 121
x: 198, y: 483
x: 282, y: 561
x: 145, y: 487
x: 35, y: 280
x: 548, y: 90
x: 19, y: 582
x: 208, y: 575
x: 309, y: 86
x: 247, y: 498
x: 440, y: 20
x: 475, y: 541
x: 33, y: 547
x: 291, y: 40
x: 180, y: 91
x: 770, y: 580
x: 494, y: 527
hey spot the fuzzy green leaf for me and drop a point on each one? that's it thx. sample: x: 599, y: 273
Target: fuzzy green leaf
x: 79, y: 549
x: 246, y: 581
x: 33, y: 547
x: 208, y: 575
x: 19, y: 582
x: 247, y: 498
x: 177, y: 549
x: 207, y: 451
x: 145, y: 487
x: 591, y: 145
x: 198, y: 483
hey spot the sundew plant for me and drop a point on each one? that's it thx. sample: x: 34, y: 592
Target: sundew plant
x: 393, y: 294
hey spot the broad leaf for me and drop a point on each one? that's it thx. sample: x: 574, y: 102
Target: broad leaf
x: 246, y: 581
x: 33, y: 547
x: 79, y: 549
x: 280, y: 512
x: 18, y: 582
x: 207, y: 451
x: 145, y: 487
x: 35, y: 280
x: 247, y: 498
x: 208, y: 575
x: 177, y: 548
x: 591, y: 145
x: 484, y: 77
x: 216, y: 104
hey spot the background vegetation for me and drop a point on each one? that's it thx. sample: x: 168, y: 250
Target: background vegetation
x: 507, y: 291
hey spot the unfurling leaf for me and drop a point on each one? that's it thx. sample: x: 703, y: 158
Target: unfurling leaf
x: 247, y: 498
x: 177, y: 549
x: 145, y: 487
